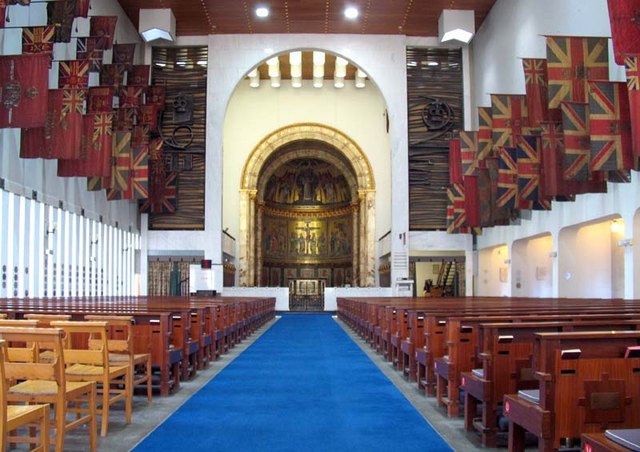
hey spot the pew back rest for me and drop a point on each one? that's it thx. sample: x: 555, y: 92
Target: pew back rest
x: 33, y: 370
x: 79, y: 335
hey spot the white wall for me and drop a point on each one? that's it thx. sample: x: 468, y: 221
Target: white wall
x: 493, y: 272
x: 255, y: 113
x: 515, y: 29
x: 531, y: 266
x: 22, y: 176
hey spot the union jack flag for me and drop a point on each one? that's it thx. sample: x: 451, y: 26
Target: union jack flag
x: 140, y: 171
x: 509, y: 115
x: 121, y: 163
x: 530, y: 177
x: 73, y: 74
x: 535, y: 80
x: 485, y: 133
x: 468, y: 152
x: 571, y: 62
x: 507, y: 195
x: 610, y: 127
x: 38, y: 39
x: 73, y: 100
x: 131, y: 96
x: 633, y: 88
x: 577, y: 152
x: 127, y: 118
x: 112, y: 74
x: 162, y: 195
x: 456, y: 214
x: 97, y: 183
x: 625, y: 29
x: 87, y: 50
x: 140, y: 135
x: 95, y: 153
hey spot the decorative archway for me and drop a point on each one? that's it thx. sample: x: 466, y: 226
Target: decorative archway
x: 363, y: 196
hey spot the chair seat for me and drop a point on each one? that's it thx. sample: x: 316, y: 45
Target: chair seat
x: 79, y: 370
x: 122, y: 358
x: 14, y: 411
x: 42, y: 388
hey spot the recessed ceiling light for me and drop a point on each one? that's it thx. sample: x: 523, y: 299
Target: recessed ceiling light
x: 181, y: 63
x: 202, y: 63
x: 262, y: 11
x: 351, y: 12
x: 433, y: 63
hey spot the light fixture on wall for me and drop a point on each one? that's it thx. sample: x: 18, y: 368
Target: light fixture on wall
x: 617, y: 226
x: 625, y: 243
x: 254, y: 78
x: 361, y: 77
x: 318, y: 69
x: 456, y: 24
x: 295, y: 61
x: 553, y: 254
x: 274, y: 71
x: 340, y: 72
x: 157, y: 24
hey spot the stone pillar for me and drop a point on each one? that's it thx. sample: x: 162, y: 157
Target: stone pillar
x: 258, y: 244
x: 246, y: 246
x: 369, y: 240
x: 356, y: 266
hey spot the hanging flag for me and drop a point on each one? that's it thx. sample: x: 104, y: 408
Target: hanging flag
x: 38, y: 39
x: 86, y: 50
x: 82, y: 8
x: 103, y: 28
x: 126, y: 118
x: 455, y: 162
x: 468, y: 152
x: 149, y: 116
x: 577, y: 152
x: 131, y: 96
x: 156, y: 95
x: 100, y: 99
x: 571, y: 62
x: 610, y: 127
x: 60, y: 14
x: 97, y: 183
x: 535, y: 80
x: 497, y: 215
x: 456, y: 216
x: 140, y: 135
x: 73, y: 74
x: 633, y: 89
x: 112, y: 74
x: 61, y: 137
x: 625, y: 28
x: 485, y: 133
x: 162, y: 195
x: 95, y: 152
x: 140, y: 171
x: 552, y: 158
x: 123, y: 54
x: 507, y: 195
x: 509, y: 116
x: 3, y: 13
x: 139, y: 75
x: 121, y: 163
x: 528, y: 164
x: 471, y: 201
x: 24, y: 90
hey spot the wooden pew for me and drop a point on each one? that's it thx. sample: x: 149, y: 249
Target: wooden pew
x: 506, y: 354
x: 599, y: 442
x: 584, y: 392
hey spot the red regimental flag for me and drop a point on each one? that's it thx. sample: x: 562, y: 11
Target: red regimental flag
x: 140, y: 135
x: 123, y: 54
x: 471, y: 201
x: 112, y: 74
x: 633, y: 88
x: 535, y: 80
x: 625, y: 27
x: 610, y: 127
x: 455, y: 162
x: 552, y: 158
x: 571, y: 62
x: 61, y: 14
x: 149, y: 116
x: 575, y: 122
x: 509, y: 114
x: 73, y: 74
x: 139, y: 75
x: 103, y: 28
x: 3, y: 13
x: 507, y: 195
x: 82, y: 8
x: 126, y: 118
x: 485, y: 133
x: 456, y: 215
x: 140, y: 172
x: 100, y: 99
x: 38, y: 39
x: 121, y: 166
x: 529, y: 168
x: 156, y: 96
x: 468, y: 152
x: 95, y: 153
x: 24, y: 81
x: 131, y: 96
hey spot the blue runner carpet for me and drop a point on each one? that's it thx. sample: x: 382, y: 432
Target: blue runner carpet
x: 304, y: 385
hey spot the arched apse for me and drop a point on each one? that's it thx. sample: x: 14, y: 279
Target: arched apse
x: 590, y: 262
x: 532, y: 261
x: 359, y: 115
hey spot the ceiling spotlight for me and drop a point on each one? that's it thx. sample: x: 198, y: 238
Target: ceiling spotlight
x: 262, y: 12
x: 433, y: 63
x: 351, y: 13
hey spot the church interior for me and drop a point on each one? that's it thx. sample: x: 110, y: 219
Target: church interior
x: 253, y: 161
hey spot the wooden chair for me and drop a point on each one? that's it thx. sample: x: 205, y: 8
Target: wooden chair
x: 92, y: 364
x: 45, y: 382
x: 44, y: 321
x: 13, y: 417
x: 121, y: 350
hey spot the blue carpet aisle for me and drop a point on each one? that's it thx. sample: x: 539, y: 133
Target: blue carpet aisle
x: 304, y: 385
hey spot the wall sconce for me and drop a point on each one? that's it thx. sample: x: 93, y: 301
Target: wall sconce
x: 625, y: 243
x: 456, y: 24
x: 617, y: 226
x: 157, y: 24
x: 553, y: 254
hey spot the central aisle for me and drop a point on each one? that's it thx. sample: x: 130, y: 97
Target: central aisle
x: 303, y: 385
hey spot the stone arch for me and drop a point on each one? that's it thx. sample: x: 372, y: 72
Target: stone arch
x: 363, y: 204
